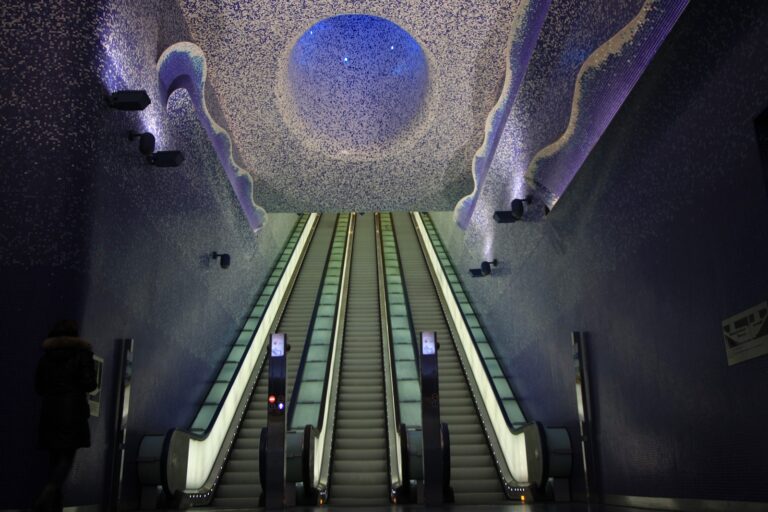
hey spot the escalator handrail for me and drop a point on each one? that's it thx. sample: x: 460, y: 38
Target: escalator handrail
x: 202, y: 484
x: 512, y: 471
x: 394, y: 443
x: 408, y: 316
x: 414, y: 340
x: 322, y: 455
x: 214, y: 417
x: 509, y: 422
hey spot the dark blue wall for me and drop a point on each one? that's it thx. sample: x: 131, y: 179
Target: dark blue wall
x: 89, y: 232
x: 661, y: 236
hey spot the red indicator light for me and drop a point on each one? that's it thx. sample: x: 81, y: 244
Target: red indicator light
x: 271, y: 399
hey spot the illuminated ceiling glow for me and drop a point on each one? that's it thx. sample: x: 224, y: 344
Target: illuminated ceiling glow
x: 404, y: 106
x: 422, y: 157
x: 596, y: 75
x: 368, y: 65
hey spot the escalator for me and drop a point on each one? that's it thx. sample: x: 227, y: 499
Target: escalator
x: 239, y: 485
x: 359, y: 475
x: 473, y: 471
x: 352, y: 302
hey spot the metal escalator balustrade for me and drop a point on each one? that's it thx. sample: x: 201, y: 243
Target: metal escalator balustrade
x: 239, y: 486
x: 527, y: 454
x: 474, y: 476
x: 401, y: 331
x: 513, y: 414
x: 311, y: 413
x: 307, y: 404
x: 359, y: 475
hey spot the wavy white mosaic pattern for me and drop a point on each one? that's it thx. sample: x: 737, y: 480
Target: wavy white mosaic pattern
x: 247, y: 45
x: 183, y: 65
x: 589, y: 53
x: 603, y: 83
x: 522, y: 40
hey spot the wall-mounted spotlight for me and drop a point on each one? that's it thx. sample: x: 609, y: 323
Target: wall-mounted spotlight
x: 485, y: 268
x: 166, y: 158
x: 224, y: 259
x: 129, y: 100
x: 515, y: 213
x: 146, y: 142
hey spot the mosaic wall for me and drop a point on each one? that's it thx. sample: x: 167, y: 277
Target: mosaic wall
x: 249, y: 45
x: 90, y: 231
x: 662, y: 234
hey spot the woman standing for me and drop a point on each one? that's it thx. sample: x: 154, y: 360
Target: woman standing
x: 65, y: 374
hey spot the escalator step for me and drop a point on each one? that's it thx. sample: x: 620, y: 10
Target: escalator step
x: 363, y: 444
x: 362, y: 478
x: 472, y: 461
x: 358, y: 466
x: 241, y: 478
x: 244, y: 454
x: 359, y: 431
x: 461, y: 474
x: 470, y: 454
x: 247, y: 466
x: 242, y: 465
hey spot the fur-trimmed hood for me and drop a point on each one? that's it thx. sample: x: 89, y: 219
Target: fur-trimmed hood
x: 66, y: 342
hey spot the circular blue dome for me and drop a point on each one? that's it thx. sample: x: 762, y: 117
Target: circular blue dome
x: 356, y: 83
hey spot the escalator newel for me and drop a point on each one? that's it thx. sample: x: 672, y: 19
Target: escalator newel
x: 436, y: 458
x: 277, y: 495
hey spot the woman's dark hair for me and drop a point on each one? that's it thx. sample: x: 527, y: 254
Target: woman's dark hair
x: 64, y: 328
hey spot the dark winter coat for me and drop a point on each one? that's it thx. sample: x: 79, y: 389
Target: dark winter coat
x: 65, y: 374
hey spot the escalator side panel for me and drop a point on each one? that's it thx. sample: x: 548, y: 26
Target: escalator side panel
x: 239, y: 486
x: 473, y: 472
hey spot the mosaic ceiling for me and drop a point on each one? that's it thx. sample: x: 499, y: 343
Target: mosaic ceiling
x: 370, y: 105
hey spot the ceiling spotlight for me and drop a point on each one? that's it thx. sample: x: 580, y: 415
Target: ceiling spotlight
x: 146, y: 142
x: 166, y: 158
x: 129, y: 100
x: 515, y: 213
x: 224, y: 259
x: 484, y: 270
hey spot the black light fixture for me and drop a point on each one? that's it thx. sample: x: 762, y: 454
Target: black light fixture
x: 224, y: 259
x: 166, y: 158
x: 146, y: 142
x: 515, y: 213
x: 129, y: 100
x: 485, y: 268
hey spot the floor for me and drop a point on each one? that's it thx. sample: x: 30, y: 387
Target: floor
x: 539, y: 507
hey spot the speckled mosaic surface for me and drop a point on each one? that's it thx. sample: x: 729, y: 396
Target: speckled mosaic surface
x: 433, y: 96
x: 248, y: 47
x: 406, y: 105
x: 588, y: 57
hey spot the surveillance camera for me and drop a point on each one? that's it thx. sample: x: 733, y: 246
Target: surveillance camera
x: 224, y: 259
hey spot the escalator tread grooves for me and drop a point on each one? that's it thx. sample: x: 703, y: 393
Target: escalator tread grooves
x: 294, y: 323
x: 427, y: 314
x: 366, y: 481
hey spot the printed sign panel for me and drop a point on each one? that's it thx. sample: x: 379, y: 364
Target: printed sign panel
x: 746, y: 334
